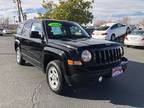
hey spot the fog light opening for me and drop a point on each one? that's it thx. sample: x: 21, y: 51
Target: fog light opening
x: 100, y: 79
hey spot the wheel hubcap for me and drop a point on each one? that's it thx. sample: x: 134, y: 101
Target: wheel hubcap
x: 53, y: 77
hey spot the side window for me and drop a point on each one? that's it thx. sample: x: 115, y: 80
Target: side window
x: 26, y: 29
x: 120, y: 25
x: 19, y: 29
x: 114, y: 26
x: 37, y: 27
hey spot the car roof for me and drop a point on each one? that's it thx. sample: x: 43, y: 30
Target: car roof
x: 44, y: 20
x: 109, y: 24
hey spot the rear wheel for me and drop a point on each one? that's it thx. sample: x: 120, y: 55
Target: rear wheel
x: 19, y: 57
x: 55, y: 77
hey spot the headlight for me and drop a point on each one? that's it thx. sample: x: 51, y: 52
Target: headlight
x: 86, y: 56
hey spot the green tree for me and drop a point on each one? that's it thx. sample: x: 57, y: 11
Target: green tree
x: 72, y: 10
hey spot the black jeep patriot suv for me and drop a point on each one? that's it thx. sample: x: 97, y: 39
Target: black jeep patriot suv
x: 66, y: 53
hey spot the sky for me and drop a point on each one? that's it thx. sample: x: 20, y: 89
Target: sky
x: 102, y: 9
x: 116, y: 9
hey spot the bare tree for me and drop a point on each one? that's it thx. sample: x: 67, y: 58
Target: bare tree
x: 141, y: 23
x: 101, y: 22
x: 126, y: 20
x: 4, y: 22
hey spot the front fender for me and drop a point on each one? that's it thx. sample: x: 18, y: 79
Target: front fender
x: 60, y: 55
x: 56, y: 52
x: 16, y: 43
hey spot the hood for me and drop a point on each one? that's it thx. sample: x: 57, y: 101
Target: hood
x: 71, y: 43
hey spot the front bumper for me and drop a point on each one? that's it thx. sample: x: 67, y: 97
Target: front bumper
x: 84, y: 74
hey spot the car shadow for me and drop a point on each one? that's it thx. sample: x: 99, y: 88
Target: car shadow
x: 27, y: 64
x: 127, y: 89
x: 137, y: 47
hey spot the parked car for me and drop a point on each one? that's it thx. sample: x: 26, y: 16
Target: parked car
x: 133, y: 27
x: 66, y: 53
x: 110, y: 31
x: 6, y: 31
x: 136, y: 38
x: 89, y: 30
x: 1, y: 32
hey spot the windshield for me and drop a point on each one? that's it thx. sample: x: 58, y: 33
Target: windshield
x: 58, y: 30
x: 139, y: 33
x: 103, y: 27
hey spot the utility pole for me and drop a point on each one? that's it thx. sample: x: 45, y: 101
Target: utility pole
x: 14, y: 19
x: 21, y: 15
x: 19, y: 11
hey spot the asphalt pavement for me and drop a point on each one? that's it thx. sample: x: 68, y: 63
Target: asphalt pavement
x: 26, y: 87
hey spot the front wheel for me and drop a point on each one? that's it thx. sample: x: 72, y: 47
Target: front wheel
x: 55, y: 77
x: 128, y: 31
x: 19, y: 57
x: 113, y: 37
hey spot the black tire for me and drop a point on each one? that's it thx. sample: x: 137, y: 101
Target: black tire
x: 61, y: 86
x: 128, y: 30
x: 113, y: 37
x: 128, y: 46
x: 19, y: 57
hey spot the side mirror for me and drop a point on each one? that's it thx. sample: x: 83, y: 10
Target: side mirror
x: 35, y: 34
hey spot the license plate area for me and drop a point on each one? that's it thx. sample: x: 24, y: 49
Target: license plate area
x: 116, y: 71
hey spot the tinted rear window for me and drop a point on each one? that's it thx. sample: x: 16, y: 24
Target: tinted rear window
x: 103, y: 28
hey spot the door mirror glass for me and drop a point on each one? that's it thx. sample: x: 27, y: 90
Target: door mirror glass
x: 35, y: 34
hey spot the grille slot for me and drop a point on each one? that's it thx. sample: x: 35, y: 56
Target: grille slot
x: 106, y: 56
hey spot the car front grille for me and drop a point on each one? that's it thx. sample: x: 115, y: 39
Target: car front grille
x: 109, y: 55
